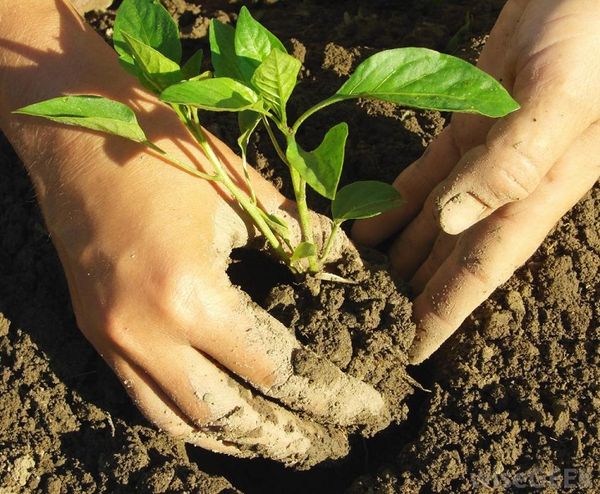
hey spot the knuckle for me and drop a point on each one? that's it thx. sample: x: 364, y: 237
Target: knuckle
x: 115, y: 330
x: 175, y: 292
x: 515, y: 178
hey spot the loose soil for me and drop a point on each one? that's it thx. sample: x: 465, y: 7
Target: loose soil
x: 515, y: 391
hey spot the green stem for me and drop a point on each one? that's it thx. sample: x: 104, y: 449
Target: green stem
x: 319, y: 106
x: 275, y: 142
x: 245, y: 202
x: 334, y: 230
x: 299, y: 186
x: 179, y: 164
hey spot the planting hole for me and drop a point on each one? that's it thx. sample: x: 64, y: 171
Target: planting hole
x: 257, y: 273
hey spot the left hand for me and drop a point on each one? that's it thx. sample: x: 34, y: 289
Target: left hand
x: 486, y: 193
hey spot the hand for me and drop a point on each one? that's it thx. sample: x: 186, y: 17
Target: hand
x: 486, y: 193
x: 146, y: 266
x: 145, y: 248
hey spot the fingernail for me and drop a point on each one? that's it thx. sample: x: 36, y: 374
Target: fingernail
x: 461, y: 212
x: 418, y: 352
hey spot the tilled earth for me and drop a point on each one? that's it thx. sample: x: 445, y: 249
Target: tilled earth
x: 514, y: 395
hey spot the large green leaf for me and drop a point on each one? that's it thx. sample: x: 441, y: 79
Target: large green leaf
x: 218, y: 94
x: 275, y: 79
x: 364, y: 200
x: 321, y: 168
x: 90, y: 112
x: 149, y: 22
x: 253, y: 43
x: 161, y: 71
x: 424, y: 78
x: 222, y: 50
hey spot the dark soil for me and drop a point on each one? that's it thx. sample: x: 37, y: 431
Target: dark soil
x: 515, y: 392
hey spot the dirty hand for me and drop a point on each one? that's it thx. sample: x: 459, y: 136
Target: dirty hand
x: 145, y: 248
x: 486, y: 193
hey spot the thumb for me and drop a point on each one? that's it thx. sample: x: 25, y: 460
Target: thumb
x: 519, y: 150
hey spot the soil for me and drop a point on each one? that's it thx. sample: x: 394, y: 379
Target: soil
x: 515, y: 392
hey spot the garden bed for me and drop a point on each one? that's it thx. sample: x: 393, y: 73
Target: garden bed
x: 516, y: 390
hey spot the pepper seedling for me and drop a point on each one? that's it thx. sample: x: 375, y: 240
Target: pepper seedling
x: 254, y: 76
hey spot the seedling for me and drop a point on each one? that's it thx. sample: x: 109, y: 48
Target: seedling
x: 254, y: 76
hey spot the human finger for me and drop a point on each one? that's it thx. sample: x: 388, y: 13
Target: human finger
x: 557, y: 90
x: 486, y: 255
x: 276, y: 364
x: 443, y: 246
x: 224, y: 415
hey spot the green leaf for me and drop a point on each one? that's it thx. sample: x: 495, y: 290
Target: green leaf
x: 275, y: 79
x: 303, y: 250
x: 321, y: 168
x: 253, y: 43
x: 424, y: 78
x: 90, y: 112
x: 277, y: 224
x: 149, y: 22
x: 247, y: 121
x: 218, y: 94
x: 222, y: 50
x: 159, y: 70
x: 193, y: 66
x: 364, y: 200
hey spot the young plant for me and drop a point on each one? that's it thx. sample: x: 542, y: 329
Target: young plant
x: 254, y: 76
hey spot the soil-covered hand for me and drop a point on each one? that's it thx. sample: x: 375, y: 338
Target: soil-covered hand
x: 486, y: 193
x: 145, y: 249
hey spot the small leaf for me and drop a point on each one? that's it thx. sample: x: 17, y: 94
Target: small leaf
x: 275, y: 79
x: 277, y: 224
x: 218, y: 94
x: 253, y: 43
x: 160, y: 71
x: 222, y: 50
x: 247, y: 121
x: 424, y: 78
x: 321, y: 168
x: 193, y: 66
x: 303, y: 250
x: 91, y: 112
x: 364, y: 200
x: 149, y: 22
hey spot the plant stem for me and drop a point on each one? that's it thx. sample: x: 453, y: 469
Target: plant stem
x: 275, y: 142
x: 180, y: 164
x: 244, y: 201
x: 334, y: 230
x: 319, y: 106
x: 299, y: 186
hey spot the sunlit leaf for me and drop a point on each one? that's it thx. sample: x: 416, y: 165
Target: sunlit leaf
x: 424, y: 78
x: 253, y: 43
x: 218, y: 94
x: 321, y: 168
x: 275, y: 79
x: 159, y: 70
x: 90, y: 112
x: 149, y: 22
